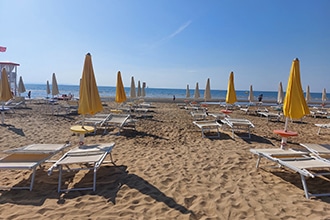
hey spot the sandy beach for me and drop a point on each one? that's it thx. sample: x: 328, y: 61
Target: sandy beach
x: 164, y: 170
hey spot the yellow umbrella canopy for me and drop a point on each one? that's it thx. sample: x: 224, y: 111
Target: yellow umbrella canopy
x: 21, y: 86
x: 294, y: 106
x: 120, y: 91
x: 207, y: 94
x: 231, y: 93
x: 89, y: 98
x: 5, y: 93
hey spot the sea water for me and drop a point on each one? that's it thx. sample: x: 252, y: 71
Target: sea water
x: 39, y: 91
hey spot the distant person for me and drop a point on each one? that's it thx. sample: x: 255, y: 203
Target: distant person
x: 29, y: 94
x: 260, y: 97
x: 173, y: 98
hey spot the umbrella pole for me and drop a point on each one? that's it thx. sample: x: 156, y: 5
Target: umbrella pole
x: 3, y: 113
x: 284, y: 139
x: 82, y: 135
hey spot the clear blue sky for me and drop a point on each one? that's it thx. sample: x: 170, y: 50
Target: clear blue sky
x: 169, y: 43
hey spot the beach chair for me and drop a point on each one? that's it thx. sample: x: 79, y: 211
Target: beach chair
x: 207, y: 126
x: 238, y: 125
x: 118, y: 121
x: 271, y: 116
x: 198, y: 115
x: 97, y: 121
x: 322, y: 126
x: 299, y: 162
x: 29, y: 157
x: 85, y: 157
x: 321, y: 151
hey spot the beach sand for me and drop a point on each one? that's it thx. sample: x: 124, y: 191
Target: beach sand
x: 164, y: 170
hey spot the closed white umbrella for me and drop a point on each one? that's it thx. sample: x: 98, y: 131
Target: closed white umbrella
x: 139, y: 89
x: 21, y: 86
x: 251, y: 97
x: 308, y: 95
x: 187, y: 92
x: 55, y: 90
x: 47, y: 88
x: 324, y: 96
x: 207, y: 94
x: 143, y: 94
x: 280, y: 94
x: 196, y: 95
x: 133, y: 89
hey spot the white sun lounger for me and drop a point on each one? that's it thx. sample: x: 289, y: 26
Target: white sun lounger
x: 207, y: 126
x: 321, y: 151
x: 297, y: 161
x: 322, y: 126
x: 271, y: 116
x: 90, y: 157
x: 238, y: 124
x: 29, y: 158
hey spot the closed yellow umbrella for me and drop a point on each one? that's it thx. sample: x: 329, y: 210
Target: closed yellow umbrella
x: 120, y: 91
x: 5, y: 93
x: 231, y: 93
x: 294, y: 106
x: 89, y: 98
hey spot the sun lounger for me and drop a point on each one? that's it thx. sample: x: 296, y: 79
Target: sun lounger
x: 118, y: 121
x: 271, y: 116
x: 29, y: 158
x: 322, y: 126
x: 218, y: 116
x: 321, y: 151
x: 97, y: 121
x: 297, y: 161
x: 207, y: 126
x: 85, y: 157
x: 198, y: 115
x: 238, y: 124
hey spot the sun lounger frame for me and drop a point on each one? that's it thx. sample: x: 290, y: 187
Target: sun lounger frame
x: 91, y: 155
x: 238, y: 125
x: 29, y: 157
x: 297, y: 161
x: 206, y: 126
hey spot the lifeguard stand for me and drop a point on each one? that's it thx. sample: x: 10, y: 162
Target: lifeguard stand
x: 11, y: 69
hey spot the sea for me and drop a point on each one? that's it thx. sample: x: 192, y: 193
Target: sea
x: 39, y: 91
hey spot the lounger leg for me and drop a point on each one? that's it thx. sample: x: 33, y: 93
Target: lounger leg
x: 319, y: 130
x: 258, y: 161
x: 203, y: 133
x: 303, y: 180
x: 32, y: 179
x: 94, y: 179
x: 59, y: 179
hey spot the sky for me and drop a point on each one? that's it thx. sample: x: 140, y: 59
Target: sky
x: 169, y: 43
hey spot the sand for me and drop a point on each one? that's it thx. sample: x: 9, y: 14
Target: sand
x: 164, y: 170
